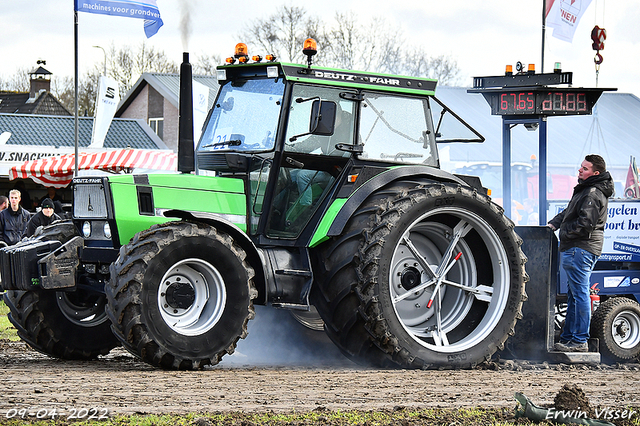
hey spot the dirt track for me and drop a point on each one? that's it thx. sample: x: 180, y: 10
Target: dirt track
x: 271, y: 373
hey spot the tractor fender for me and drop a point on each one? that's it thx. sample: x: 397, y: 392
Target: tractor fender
x: 255, y: 257
x: 381, y: 180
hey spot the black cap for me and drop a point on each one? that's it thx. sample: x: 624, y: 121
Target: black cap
x: 47, y: 203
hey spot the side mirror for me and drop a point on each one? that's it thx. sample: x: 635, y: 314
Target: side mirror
x: 323, y: 118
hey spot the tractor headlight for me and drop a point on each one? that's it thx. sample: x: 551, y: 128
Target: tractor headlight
x: 106, y: 229
x: 86, y: 229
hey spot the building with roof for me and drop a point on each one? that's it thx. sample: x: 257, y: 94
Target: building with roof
x: 35, y: 125
x: 155, y: 97
x: 38, y: 100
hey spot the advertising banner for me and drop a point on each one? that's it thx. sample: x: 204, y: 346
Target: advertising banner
x: 622, y: 231
x: 564, y: 16
x: 141, y: 9
x: 106, y: 105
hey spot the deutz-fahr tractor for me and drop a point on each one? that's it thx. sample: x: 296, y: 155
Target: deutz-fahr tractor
x: 311, y: 189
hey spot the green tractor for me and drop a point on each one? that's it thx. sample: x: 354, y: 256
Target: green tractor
x: 311, y: 189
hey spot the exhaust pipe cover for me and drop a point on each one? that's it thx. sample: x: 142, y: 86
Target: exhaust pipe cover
x: 186, y: 162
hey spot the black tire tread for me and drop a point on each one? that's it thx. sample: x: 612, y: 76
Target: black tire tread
x: 32, y: 323
x: 601, y: 328
x: 345, y: 296
x: 123, y: 293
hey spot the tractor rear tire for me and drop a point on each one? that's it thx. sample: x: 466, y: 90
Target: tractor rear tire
x: 616, y: 323
x: 67, y: 325
x: 180, y: 295
x: 375, y: 290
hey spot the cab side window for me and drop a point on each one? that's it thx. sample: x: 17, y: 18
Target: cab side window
x: 396, y: 128
x: 300, y: 114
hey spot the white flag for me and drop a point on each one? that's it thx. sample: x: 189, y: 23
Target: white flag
x: 564, y: 15
x: 106, y: 105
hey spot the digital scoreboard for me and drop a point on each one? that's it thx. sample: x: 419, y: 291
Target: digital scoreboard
x: 528, y: 98
x: 530, y: 94
x: 542, y: 101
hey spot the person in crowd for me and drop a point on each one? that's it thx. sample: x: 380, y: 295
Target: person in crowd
x: 581, y: 227
x: 44, y: 217
x: 4, y: 202
x: 13, y: 220
x: 25, y: 198
x: 52, y: 195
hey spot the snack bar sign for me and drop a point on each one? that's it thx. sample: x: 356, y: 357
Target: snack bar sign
x: 14, y: 156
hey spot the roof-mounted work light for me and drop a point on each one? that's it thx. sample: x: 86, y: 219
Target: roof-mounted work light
x: 309, y: 48
x: 241, y: 53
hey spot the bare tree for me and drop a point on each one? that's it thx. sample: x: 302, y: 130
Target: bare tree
x: 374, y: 47
x: 377, y: 46
x: 126, y: 65
x: 63, y: 88
x: 206, y: 64
x: 18, y: 82
x: 283, y: 33
x: 341, y: 42
x: 442, y: 68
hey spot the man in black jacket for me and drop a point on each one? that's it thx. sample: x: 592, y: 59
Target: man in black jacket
x: 581, y: 227
x: 44, y: 217
x: 13, y: 220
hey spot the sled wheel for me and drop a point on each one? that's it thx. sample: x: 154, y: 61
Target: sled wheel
x: 180, y: 295
x: 616, y: 323
x: 433, y: 276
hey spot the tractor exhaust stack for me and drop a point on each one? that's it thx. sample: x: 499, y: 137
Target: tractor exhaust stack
x: 185, y: 131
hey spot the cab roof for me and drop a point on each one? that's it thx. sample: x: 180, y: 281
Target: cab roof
x: 331, y: 77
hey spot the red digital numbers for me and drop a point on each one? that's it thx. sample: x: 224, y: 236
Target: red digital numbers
x: 541, y: 101
x: 515, y: 102
x: 565, y: 102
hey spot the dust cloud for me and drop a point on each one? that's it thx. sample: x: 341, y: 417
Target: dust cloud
x: 276, y: 339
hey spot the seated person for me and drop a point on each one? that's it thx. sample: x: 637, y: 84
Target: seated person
x: 44, y: 217
x: 325, y: 145
x: 304, y: 179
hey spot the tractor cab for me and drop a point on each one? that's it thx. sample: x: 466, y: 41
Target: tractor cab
x: 298, y: 134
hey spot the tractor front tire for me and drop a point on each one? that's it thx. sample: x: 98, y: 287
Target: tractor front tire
x: 616, y: 323
x: 405, y: 243
x: 180, y: 295
x: 61, y: 324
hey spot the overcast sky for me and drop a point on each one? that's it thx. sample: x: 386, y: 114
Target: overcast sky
x: 482, y: 36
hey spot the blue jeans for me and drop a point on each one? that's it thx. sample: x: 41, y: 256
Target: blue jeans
x: 578, y: 264
x: 304, y: 179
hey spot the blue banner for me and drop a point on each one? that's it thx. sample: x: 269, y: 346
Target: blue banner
x: 142, y: 9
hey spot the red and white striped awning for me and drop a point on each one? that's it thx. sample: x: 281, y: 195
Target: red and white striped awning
x: 58, y: 171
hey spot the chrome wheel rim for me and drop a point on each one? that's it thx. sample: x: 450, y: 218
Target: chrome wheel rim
x: 435, y: 255
x: 192, y: 297
x: 625, y: 329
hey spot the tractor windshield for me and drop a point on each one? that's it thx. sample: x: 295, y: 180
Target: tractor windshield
x: 245, y: 116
